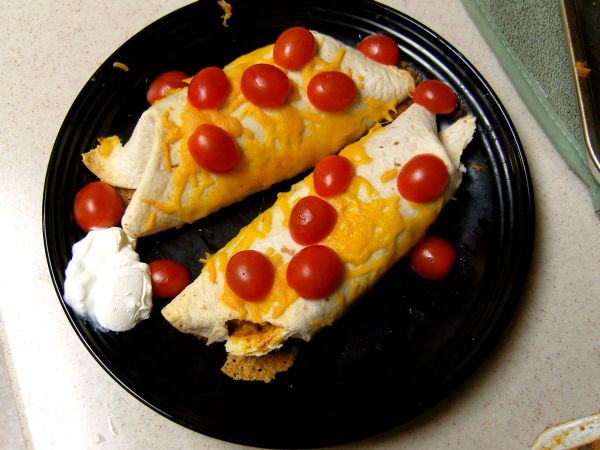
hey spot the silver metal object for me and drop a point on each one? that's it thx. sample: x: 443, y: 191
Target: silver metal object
x: 581, y: 19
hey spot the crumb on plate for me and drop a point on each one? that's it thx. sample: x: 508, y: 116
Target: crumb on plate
x: 120, y: 65
x: 227, y: 9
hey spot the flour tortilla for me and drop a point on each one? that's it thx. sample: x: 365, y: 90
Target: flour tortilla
x: 139, y: 164
x: 199, y: 309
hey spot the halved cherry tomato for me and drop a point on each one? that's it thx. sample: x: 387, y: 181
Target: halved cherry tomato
x: 315, y: 272
x: 213, y: 149
x: 423, y: 178
x: 294, y: 48
x: 332, y: 175
x: 432, y: 258
x: 250, y: 275
x: 436, y: 96
x: 168, y: 278
x: 97, y: 205
x: 331, y: 91
x: 209, y: 88
x: 265, y: 85
x: 311, y: 220
x: 380, y: 48
x: 160, y: 87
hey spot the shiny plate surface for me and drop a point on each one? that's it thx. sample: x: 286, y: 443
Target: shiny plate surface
x: 407, y: 343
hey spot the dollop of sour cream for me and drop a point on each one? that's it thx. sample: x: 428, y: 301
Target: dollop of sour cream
x: 106, y: 282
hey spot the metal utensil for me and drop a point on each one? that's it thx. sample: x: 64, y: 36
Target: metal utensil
x: 581, y: 19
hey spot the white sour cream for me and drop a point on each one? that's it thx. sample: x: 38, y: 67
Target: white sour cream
x: 106, y: 282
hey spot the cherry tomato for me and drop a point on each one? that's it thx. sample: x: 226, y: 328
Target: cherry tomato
x: 331, y: 91
x: 160, y: 87
x: 315, y: 272
x: 209, y: 88
x: 436, y: 96
x: 423, y: 178
x: 250, y: 275
x: 168, y: 277
x: 213, y: 149
x: 380, y: 48
x: 294, y: 48
x: 311, y: 220
x: 432, y: 258
x: 332, y: 176
x: 97, y: 205
x: 265, y: 85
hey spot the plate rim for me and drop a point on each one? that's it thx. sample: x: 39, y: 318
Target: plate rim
x: 527, y: 226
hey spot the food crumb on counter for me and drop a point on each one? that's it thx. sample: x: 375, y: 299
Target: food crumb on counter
x: 111, y: 428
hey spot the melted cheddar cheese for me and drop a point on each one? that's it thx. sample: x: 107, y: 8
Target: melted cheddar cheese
x: 275, y: 144
x: 370, y: 235
x: 107, y: 145
x: 172, y: 135
x: 375, y: 227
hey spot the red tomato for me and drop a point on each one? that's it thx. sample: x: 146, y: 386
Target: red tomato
x: 294, y: 48
x: 380, y: 48
x: 331, y: 91
x: 315, y: 272
x: 97, y: 205
x: 250, y: 275
x: 423, y: 178
x: 432, y: 258
x: 436, y: 96
x: 209, y: 88
x: 311, y: 220
x: 332, y: 176
x: 160, y: 87
x: 265, y: 85
x: 168, y: 277
x: 213, y: 149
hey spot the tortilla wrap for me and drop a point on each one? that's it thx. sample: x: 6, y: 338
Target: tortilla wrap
x: 275, y: 144
x: 375, y: 228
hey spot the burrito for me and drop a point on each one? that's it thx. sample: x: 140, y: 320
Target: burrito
x: 583, y: 433
x: 274, y: 143
x: 374, y: 227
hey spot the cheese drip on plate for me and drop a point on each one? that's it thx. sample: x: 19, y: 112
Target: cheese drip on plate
x: 374, y: 229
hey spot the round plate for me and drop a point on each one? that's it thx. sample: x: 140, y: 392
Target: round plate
x: 405, y: 345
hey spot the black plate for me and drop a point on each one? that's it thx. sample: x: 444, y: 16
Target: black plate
x: 406, y: 344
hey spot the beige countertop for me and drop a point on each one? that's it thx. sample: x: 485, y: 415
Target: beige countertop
x: 545, y: 370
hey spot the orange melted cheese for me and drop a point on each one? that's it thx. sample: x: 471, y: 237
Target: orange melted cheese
x: 150, y: 221
x: 289, y: 139
x: 371, y: 234
x: 173, y: 133
x: 107, y: 145
x: 388, y: 175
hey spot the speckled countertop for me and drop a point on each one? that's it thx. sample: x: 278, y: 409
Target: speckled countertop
x: 545, y: 370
